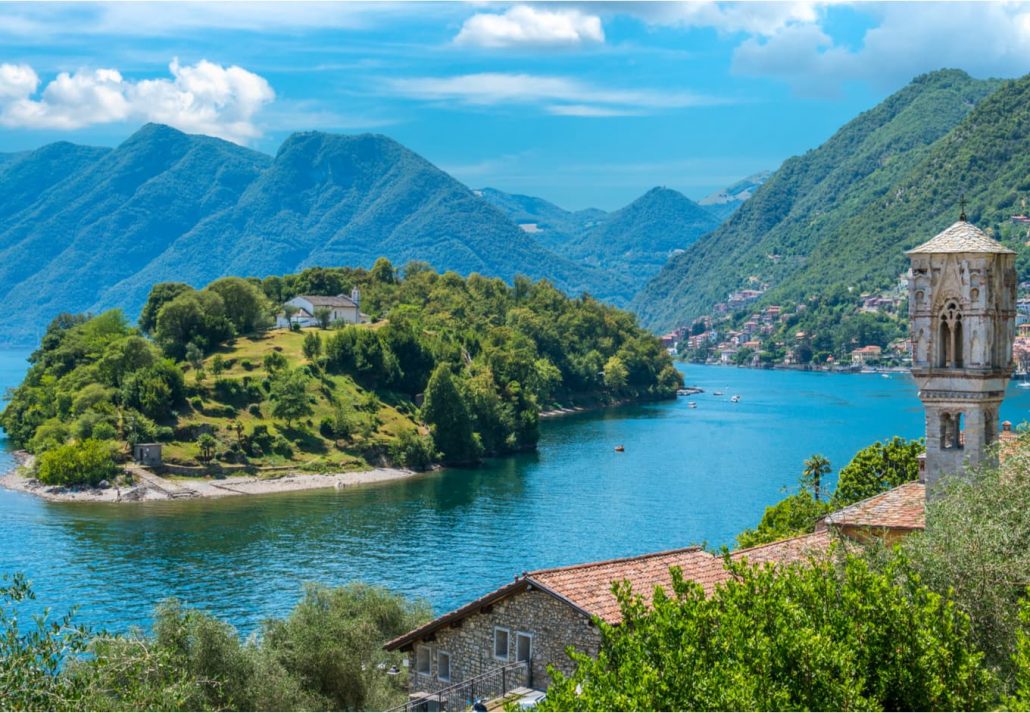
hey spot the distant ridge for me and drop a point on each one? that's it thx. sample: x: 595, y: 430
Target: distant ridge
x: 85, y: 228
x: 633, y: 242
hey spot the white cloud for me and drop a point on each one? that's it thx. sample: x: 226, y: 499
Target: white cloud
x: 204, y: 98
x: 523, y: 25
x: 985, y: 39
x: 17, y: 80
x: 755, y: 18
x: 559, y: 95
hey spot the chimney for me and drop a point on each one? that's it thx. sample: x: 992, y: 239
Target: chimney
x: 355, y: 296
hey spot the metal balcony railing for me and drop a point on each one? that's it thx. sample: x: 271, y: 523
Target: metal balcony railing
x: 494, y: 683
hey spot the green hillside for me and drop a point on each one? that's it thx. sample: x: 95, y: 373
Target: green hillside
x: 448, y: 369
x: 636, y: 241
x: 842, y: 214
x: 92, y: 229
x: 630, y: 244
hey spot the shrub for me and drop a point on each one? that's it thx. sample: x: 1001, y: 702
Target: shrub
x: 84, y: 463
x: 247, y: 364
x: 255, y: 410
x: 815, y: 636
x: 413, y: 450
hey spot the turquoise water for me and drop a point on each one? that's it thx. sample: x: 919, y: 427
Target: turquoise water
x: 686, y: 476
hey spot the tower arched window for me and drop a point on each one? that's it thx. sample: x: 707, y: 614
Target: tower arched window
x: 949, y: 337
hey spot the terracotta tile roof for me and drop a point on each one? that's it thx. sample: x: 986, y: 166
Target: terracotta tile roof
x: 795, y: 549
x: 961, y: 237
x: 902, y: 508
x: 588, y: 586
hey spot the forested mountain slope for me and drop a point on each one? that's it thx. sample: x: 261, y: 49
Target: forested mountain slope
x: 88, y: 229
x: 843, y: 213
x: 631, y: 244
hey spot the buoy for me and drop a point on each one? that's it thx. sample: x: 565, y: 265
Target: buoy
x: 619, y: 449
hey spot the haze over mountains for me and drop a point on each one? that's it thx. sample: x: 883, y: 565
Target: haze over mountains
x: 844, y: 213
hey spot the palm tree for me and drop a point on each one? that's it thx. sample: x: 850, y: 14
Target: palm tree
x: 812, y: 476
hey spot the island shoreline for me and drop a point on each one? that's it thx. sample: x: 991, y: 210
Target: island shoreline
x: 154, y: 488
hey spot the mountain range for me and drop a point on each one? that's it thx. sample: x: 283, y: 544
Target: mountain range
x: 842, y: 215
x: 633, y: 242
x: 87, y: 228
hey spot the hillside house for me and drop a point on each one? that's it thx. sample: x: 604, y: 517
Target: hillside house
x: 304, y: 310
x: 527, y: 624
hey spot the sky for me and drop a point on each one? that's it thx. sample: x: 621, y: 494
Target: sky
x: 584, y: 104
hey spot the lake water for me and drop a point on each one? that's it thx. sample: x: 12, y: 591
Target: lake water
x: 687, y: 476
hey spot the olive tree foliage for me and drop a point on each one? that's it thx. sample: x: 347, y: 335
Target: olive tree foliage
x: 326, y: 655
x: 977, y: 545
x: 818, y: 636
x: 31, y: 656
x: 1020, y: 698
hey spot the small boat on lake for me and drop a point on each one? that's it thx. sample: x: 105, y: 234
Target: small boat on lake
x: 716, y: 393
x: 620, y: 449
x: 735, y: 398
x: 692, y: 404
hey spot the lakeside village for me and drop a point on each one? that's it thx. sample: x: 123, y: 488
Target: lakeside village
x: 509, y: 643
x: 768, y: 337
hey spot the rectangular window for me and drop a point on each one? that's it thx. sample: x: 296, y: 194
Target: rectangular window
x: 523, y: 646
x: 443, y: 666
x: 501, y: 643
x: 423, y: 660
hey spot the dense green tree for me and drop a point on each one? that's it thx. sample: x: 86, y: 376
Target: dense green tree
x: 289, y: 395
x: 446, y: 413
x: 312, y: 346
x: 877, y: 468
x: 84, y: 463
x: 160, y: 294
x: 192, y: 318
x: 383, y: 272
x: 816, y: 636
x: 246, y: 306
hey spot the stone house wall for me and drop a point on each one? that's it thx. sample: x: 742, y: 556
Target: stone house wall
x: 553, y: 624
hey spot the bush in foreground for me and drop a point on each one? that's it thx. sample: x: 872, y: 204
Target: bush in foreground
x: 826, y: 636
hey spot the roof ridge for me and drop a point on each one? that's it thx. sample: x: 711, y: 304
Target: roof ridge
x: 616, y: 560
x: 780, y: 542
x: 855, y: 504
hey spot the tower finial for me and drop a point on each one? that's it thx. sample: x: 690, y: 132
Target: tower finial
x: 962, y: 207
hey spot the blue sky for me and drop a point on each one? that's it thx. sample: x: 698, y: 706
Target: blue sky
x: 585, y: 104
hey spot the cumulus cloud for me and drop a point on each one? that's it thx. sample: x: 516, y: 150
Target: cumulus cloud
x: 204, y: 98
x: 756, y: 18
x: 523, y: 25
x: 558, y: 95
x: 906, y: 39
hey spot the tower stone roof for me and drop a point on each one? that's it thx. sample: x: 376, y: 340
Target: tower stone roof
x: 961, y: 237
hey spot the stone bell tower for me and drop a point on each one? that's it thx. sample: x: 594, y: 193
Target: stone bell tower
x: 962, y: 309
